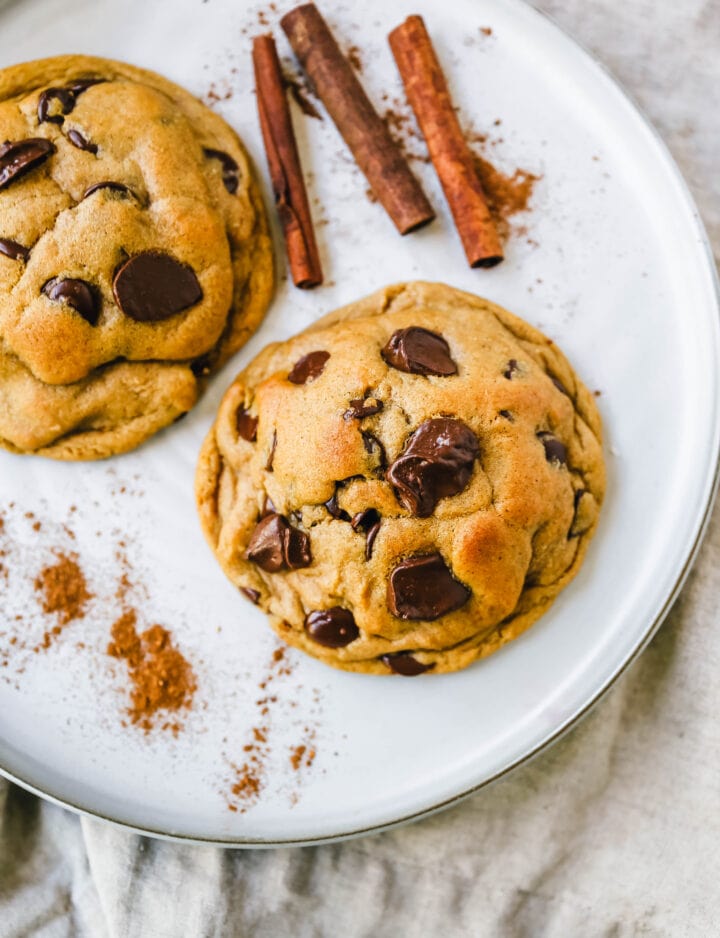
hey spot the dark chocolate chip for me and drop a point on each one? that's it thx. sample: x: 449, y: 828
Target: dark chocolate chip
x: 437, y: 462
x: 114, y: 186
x: 153, y: 286
x: 555, y: 451
x: 404, y: 663
x: 424, y: 588
x: 19, y: 157
x: 252, y: 595
x: 79, y: 294
x: 512, y: 368
x: 82, y: 84
x: 309, y: 367
x: 368, y: 521
x: 202, y: 366
x: 559, y: 385
x: 333, y: 628
x: 13, y: 250
x: 370, y: 539
x: 265, y: 547
x: 297, y: 549
x: 77, y: 140
x: 363, y: 408
x: 374, y: 446
x: 507, y: 415
x: 364, y: 520
x: 64, y: 98
x: 334, y: 509
x: 271, y: 454
x: 230, y: 169
x: 246, y: 425
x: 418, y: 351
x: 276, y: 545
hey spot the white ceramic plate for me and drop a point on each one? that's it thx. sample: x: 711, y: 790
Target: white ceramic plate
x: 613, y: 265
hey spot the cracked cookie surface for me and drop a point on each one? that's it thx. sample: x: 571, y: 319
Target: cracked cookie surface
x: 408, y: 484
x: 134, y: 254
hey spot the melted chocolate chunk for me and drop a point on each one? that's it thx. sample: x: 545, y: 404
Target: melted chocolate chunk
x: 555, y: 451
x: 418, y: 351
x: 374, y: 446
x: 366, y: 408
x: 65, y: 100
x: 506, y: 414
x: 115, y: 186
x: 265, y: 547
x: 77, y: 140
x: 230, y: 169
x: 79, y: 294
x: 333, y: 628
x: 82, y: 84
x: 65, y: 97
x: 275, y: 545
x: 246, y: 425
x: 404, y: 663
x: 202, y: 366
x: 13, y: 250
x: 252, y: 595
x: 559, y: 385
x: 368, y: 521
x: 309, y: 367
x: 271, y: 454
x: 153, y: 286
x: 334, y: 509
x: 297, y: 549
x: 512, y: 368
x: 437, y: 462
x: 19, y: 157
x: 424, y: 588
x: 268, y: 508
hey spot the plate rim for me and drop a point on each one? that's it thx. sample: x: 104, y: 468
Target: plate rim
x: 572, y: 721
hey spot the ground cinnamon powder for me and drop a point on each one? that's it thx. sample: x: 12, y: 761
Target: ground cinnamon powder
x: 63, y: 589
x: 506, y: 195
x: 63, y: 592
x: 161, y: 678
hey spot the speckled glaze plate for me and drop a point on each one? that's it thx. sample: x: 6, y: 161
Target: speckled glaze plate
x: 611, y: 261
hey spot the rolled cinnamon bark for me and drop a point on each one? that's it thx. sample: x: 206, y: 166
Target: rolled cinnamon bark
x: 284, y: 166
x: 367, y: 136
x: 429, y: 98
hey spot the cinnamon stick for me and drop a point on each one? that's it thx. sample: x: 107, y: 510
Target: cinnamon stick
x: 367, y: 136
x: 284, y: 165
x: 429, y: 98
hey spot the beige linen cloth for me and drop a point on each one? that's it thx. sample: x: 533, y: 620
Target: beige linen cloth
x: 615, y: 832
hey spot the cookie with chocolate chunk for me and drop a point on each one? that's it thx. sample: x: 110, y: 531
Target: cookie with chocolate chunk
x: 408, y: 484
x: 134, y: 254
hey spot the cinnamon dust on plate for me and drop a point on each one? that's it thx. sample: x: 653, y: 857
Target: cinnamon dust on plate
x: 508, y: 193
x: 252, y: 772
x: 63, y: 593
x: 161, y: 679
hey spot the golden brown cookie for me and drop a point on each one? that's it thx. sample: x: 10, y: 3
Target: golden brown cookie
x: 408, y: 484
x: 134, y: 254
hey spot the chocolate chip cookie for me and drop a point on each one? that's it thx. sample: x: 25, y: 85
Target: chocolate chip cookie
x: 134, y: 254
x: 408, y: 484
